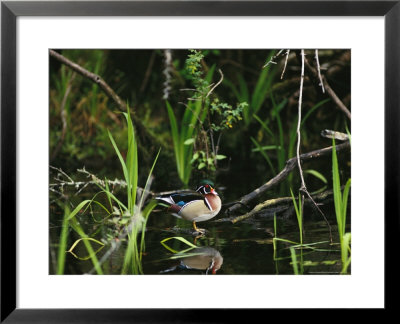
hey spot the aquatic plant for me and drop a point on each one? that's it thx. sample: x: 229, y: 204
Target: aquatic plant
x: 259, y: 94
x: 111, y: 212
x: 63, y: 242
x: 340, y: 202
x: 183, y: 137
x: 133, y: 211
x: 194, y: 143
x: 298, y: 207
x: 277, y: 142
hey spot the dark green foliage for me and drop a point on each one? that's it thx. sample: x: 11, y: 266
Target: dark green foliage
x: 227, y: 119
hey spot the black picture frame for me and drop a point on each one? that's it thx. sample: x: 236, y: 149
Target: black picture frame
x: 11, y: 10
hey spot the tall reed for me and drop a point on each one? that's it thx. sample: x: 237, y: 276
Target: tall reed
x: 182, y: 137
x: 299, y: 214
x: 63, y: 242
x: 133, y: 208
x: 340, y: 202
x: 257, y: 97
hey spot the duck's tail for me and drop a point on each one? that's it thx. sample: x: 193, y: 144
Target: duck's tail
x: 167, y: 199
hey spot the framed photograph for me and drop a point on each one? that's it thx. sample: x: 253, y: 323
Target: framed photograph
x: 189, y: 160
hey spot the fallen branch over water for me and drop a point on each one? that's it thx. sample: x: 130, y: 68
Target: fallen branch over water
x: 290, y: 165
x: 279, y: 201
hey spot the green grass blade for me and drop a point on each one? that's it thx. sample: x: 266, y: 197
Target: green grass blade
x: 77, y: 228
x: 346, y: 192
x: 264, y: 126
x: 123, y: 165
x: 78, y: 208
x: 244, y: 91
x: 299, y: 215
x: 146, y: 212
x: 132, y: 161
x: 337, y: 195
x: 71, y: 249
x: 294, y: 202
x: 266, y: 157
x: 63, y: 242
x: 294, y: 261
x: 348, y: 134
x: 345, y: 251
x: 175, y: 139
x: 266, y: 148
x: 313, y: 108
x: 179, y: 238
x: 317, y: 174
x: 233, y: 88
x: 146, y: 187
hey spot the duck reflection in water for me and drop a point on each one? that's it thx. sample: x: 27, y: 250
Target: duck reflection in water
x: 205, y: 259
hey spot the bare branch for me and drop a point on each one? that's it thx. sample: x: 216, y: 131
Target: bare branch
x: 314, y: 73
x: 92, y: 76
x: 303, y: 185
x: 167, y: 73
x: 141, y: 129
x: 284, y: 67
x: 217, y: 84
x: 290, y: 165
x: 319, y: 71
x: 285, y: 201
x: 271, y: 61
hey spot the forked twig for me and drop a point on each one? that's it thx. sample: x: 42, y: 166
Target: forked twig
x: 319, y: 71
x: 217, y: 84
x: 303, y: 187
x: 284, y: 67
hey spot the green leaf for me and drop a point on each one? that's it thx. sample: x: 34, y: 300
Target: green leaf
x: 175, y: 134
x: 195, y: 157
x: 266, y: 157
x: 201, y: 165
x: 189, y: 141
x: 63, y: 242
x: 346, y: 192
x: 78, y: 208
x: 191, y: 245
x: 82, y: 239
x: 121, y: 159
x: 337, y: 194
x: 220, y: 157
x: 266, y: 148
x: 317, y: 175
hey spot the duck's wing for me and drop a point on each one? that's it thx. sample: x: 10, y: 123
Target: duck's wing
x: 180, y: 199
x: 184, y: 198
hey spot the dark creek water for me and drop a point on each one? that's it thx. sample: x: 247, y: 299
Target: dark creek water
x: 245, y: 247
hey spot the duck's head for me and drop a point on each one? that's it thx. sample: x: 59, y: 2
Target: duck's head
x: 206, y: 187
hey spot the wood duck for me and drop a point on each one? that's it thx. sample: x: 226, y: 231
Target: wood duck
x: 206, y: 259
x: 198, y: 206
